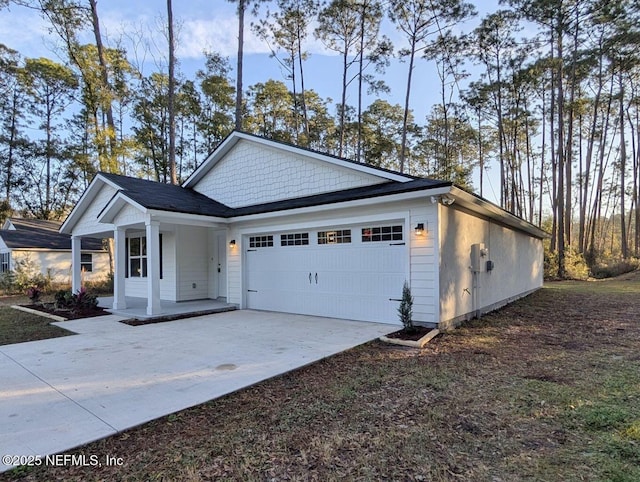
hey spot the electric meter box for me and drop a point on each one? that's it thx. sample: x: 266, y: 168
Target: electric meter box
x: 479, y: 255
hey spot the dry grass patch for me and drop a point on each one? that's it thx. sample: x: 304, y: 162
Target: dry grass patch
x: 18, y: 327
x: 546, y: 389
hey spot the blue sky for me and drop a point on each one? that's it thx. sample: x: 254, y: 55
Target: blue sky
x: 212, y: 24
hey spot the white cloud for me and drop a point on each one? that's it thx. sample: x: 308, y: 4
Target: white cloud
x: 24, y: 30
x: 218, y: 34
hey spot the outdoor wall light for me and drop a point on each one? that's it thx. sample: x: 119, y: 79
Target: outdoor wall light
x: 419, y: 229
x: 232, y: 243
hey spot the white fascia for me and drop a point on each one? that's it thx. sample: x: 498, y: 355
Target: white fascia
x: 82, y: 204
x: 344, y: 204
x: 185, y: 218
x: 114, y: 206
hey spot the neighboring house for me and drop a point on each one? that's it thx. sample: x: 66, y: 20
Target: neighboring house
x: 271, y: 226
x: 40, y: 244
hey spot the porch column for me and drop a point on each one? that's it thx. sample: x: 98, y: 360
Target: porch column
x: 76, y: 264
x: 120, y: 258
x: 153, y: 267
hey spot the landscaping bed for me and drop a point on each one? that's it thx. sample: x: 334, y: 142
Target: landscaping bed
x: 68, y: 314
x: 547, y: 388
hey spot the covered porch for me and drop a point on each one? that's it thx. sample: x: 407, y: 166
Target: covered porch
x: 168, y: 244
x: 137, y: 307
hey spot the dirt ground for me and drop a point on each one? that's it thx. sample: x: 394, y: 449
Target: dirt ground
x: 547, y: 388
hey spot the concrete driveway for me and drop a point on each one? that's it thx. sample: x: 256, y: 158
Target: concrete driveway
x: 64, y: 392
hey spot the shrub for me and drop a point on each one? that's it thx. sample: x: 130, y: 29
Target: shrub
x: 102, y: 286
x: 27, y: 274
x: 63, y: 299
x: 85, y: 300
x: 34, y: 294
x: 405, y: 310
x: 8, y: 281
x: 575, y: 266
x: 614, y: 268
x: 82, y: 300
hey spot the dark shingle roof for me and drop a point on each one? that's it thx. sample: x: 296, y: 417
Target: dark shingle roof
x: 364, y: 192
x: 166, y: 197
x: 35, y: 234
x: 19, y: 223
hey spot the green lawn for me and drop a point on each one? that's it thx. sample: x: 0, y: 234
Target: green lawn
x: 18, y: 326
x: 546, y: 389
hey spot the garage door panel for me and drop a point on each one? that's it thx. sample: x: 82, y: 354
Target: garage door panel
x: 360, y: 281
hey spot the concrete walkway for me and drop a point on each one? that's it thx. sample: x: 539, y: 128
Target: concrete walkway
x: 64, y: 392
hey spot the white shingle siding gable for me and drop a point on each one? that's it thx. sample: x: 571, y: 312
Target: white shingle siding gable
x: 253, y: 174
x: 88, y: 223
x: 129, y: 215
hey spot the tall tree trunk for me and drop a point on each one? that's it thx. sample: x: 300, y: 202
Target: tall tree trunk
x: 363, y: 14
x: 303, y: 99
x: 582, y: 241
x: 542, y: 165
x: 405, y: 119
x: 636, y: 184
x: 560, y: 153
x: 241, y: 8
x: 172, y: 89
x: 623, y: 167
x: 111, y: 161
x: 12, y: 141
x: 343, y: 99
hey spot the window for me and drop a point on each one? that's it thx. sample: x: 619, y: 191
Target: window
x: 5, y: 262
x: 137, y: 254
x: 261, y: 241
x: 334, y: 237
x: 136, y: 259
x: 382, y: 233
x: 294, y: 239
x: 86, y: 262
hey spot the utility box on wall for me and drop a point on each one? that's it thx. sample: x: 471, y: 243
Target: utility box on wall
x: 479, y: 255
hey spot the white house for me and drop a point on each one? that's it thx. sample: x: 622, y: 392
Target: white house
x: 39, y: 243
x: 270, y: 226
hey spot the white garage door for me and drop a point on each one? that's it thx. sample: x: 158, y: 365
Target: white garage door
x: 354, y: 273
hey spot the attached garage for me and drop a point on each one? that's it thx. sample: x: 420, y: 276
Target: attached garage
x: 353, y: 272
x: 271, y: 226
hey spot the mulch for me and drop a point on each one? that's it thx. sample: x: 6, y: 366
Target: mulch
x: 68, y: 314
x: 412, y: 335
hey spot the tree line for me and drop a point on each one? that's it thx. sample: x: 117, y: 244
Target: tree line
x: 543, y: 92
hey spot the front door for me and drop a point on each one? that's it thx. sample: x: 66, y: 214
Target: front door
x: 221, y: 260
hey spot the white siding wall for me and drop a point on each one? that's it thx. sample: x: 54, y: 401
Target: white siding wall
x: 518, y: 260
x: 88, y: 223
x: 137, y: 287
x: 424, y: 263
x: 422, y: 252
x: 252, y: 174
x: 193, y: 263
x: 129, y: 215
x: 234, y: 267
x: 168, y: 289
x: 57, y: 264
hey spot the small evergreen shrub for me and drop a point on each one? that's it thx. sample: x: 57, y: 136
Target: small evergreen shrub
x: 405, y: 310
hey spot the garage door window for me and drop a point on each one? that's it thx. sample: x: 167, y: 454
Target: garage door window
x: 334, y: 237
x: 382, y: 233
x: 261, y: 241
x: 294, y: 239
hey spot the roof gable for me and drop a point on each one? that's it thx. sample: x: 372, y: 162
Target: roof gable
x: 246, y: 170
